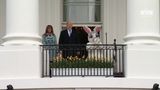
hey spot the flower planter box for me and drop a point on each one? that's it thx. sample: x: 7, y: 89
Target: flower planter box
x: 82, y: 72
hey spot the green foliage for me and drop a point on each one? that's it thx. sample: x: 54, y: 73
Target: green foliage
x: 74, y: 62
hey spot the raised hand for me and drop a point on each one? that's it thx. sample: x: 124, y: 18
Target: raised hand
x: 87, y: 29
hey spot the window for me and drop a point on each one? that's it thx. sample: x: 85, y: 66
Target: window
x: 82, y: 11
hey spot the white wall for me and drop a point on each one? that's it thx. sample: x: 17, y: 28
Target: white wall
x: 114, y: 15
x: 80, y: 83
x: 50, y: 13
x: 114, y: 22
x: 20, y: 61
x: 2, y: 18
x: 142, y: 61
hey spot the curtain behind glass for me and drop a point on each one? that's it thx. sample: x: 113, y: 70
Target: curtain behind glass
x: 82, y: 11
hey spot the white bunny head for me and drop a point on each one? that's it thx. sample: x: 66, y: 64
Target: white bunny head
x: 93, y: 36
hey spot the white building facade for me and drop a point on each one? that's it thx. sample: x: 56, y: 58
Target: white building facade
x: 133, y: 22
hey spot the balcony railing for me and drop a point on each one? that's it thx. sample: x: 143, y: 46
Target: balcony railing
x: 83, y: 60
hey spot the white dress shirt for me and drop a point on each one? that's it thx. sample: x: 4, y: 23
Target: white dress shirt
x: 69, y: 32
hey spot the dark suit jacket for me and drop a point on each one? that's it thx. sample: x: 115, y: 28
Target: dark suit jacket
x: 67, y: 43
x: 83, y: 37
x: 83, y: 40
x: 66, y: 39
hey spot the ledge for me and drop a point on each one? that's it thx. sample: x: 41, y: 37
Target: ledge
x: 79, y: 82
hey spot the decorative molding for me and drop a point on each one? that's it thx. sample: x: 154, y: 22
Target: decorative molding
x: 18, y: 39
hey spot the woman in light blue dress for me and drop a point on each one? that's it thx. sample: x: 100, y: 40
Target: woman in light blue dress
x: 49, y: 39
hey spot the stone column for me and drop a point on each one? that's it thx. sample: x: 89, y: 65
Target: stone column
x: 143, y: 39
x: 143, y: 21
x: 20, y: 53
x: 22, y: 22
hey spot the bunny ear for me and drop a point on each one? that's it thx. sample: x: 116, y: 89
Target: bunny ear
x: 87, y: 29
x: 97, y: 29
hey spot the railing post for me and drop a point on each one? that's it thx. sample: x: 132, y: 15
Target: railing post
x: 50, y: 60
x: 116, y: 70
x: 50, y: 72
x: 42, y: 48
x: 106, y: 38
x: 115, y: 58
x: 123, y: 60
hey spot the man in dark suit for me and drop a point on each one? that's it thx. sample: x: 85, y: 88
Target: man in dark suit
x: 83, y: 40
x: 68, y: 40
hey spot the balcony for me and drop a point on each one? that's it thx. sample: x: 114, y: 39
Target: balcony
x: 83, y: 60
